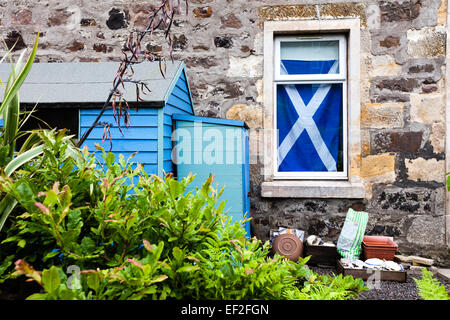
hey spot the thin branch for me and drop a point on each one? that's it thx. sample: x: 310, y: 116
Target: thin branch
x: 166, y: 13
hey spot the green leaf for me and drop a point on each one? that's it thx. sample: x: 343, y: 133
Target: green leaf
x: 23, y: 158
x: 178, y: 254
x: 50, y: 279
x: 7, y: 205
x: 22, y: 243
x: 188, y: 268
x: 50, y: 255
x: 93, y: 281
x: 88, y: 245
x: 38, y: 296
x: 19, y: 80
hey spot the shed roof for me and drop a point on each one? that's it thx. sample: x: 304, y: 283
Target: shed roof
x: 91, y: 82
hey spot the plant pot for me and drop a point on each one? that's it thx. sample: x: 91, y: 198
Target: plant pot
x: 288, y: 245
x: 380, y: 247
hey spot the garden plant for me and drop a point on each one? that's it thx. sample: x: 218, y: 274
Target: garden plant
x: 95, y: 226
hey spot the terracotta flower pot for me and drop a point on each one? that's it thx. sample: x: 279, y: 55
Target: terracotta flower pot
x: 288, y: 245
x: 379, y: 247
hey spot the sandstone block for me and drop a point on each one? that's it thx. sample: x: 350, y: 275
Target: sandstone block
x: 427, y: 42
x: 442, y: 13
x: 230, y: 21
x: 58, y: 18
x: 250, y: 67
x: 427, y: 107
x: 251, y: 115
x: 384, y: 65
x: 203, y: 12
x: 22, y: 17
x: 421, y: 169
x: 386, y: 115
x: 437, y: 137
x: 377, y: 165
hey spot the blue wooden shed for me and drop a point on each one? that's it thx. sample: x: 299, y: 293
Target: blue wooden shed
x: 220, y: 147
x: 163, y: 125
x: 151, y: 125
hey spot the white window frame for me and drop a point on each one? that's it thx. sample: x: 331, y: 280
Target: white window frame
x: 340, y: 78
x: 294, y: 187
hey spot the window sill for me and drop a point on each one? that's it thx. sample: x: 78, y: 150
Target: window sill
x: 312, y: 189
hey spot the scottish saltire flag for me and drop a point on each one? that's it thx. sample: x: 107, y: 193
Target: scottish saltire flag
x: 309, y: 119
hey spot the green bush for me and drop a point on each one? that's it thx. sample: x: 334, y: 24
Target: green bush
x: 135, y: 236
x: 430, y: 288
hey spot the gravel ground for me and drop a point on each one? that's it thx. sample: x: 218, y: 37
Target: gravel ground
x: 389, y: 290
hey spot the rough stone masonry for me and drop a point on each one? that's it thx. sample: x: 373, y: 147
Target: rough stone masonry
x: 403, y: 102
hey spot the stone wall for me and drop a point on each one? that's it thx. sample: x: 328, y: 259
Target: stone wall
x: 403, y: 51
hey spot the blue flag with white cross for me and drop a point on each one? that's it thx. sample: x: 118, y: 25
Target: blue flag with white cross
x: 309, y: 119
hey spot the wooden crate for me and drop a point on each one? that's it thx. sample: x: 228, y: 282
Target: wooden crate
x: 385, y: 275
x: 321, y: 255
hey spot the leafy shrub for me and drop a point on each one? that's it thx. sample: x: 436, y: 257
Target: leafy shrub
x: 135, y: 236
x: 430, y: 288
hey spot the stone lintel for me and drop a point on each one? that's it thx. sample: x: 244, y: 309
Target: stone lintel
x: 312, y: 189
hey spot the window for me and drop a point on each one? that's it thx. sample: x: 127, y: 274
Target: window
x: 48, y: 118
x: 305, y: 62
x: 310, y: 107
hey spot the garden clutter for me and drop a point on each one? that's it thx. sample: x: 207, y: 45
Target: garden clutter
x: 287, y: 242
x: 349, y: 242
x: 373, y: 263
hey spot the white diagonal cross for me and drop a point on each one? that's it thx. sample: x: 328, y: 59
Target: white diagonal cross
x: 306, y: 122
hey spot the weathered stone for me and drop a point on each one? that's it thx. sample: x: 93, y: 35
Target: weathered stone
x: 416, y: 260
x: 22, y: 17
x: 87, y: 22
x: 228, y: 90
x: 87, y: 59
x: 153, y: 48
x: 383, y: 66
x: 390, y: 42
x: 223, y: 42
x: 408, y: 142
x: 437, y: 137
x: 427, y: 107
x: 409, y: 200
x: 421, y: 169
x: 230, y: 21
x: 201, y: 47
x: 201, y: 1
x: 203, y: 12
x: 390, y: 231
x: 76, y: 46
x: 203, y: 62
x: 386, y: 115
x: 427, y: 42
x: 402, y: 84
x: 101, y: 47
x: 421, y: 68
x: 442, y: 13
x: 14, y: 39
x: 250, y: 66
x: 334, y: 10
x: 426, y: 230
x: 60, y: 17
x: 429, y: 88
x: 116, y: 19
x: 100, y: 35
x: 251, y: 115
x: 377, y: 165
x: 141, y: 19
x: 179, y: 42
x: 393, y: 11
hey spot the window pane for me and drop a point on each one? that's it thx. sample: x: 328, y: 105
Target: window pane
x: 310, y: 127
x: 309, y: 57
